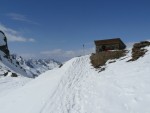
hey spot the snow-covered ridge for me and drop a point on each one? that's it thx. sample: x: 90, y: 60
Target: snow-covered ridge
x: 77, y: 87
x: 36, y: 67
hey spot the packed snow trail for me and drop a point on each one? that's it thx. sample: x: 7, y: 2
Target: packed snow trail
x: 78, y: 88
x: 67, y: 98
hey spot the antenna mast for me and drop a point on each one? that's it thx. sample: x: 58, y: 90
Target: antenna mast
x: 83, y: 49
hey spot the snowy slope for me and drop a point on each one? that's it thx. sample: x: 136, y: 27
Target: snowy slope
x: 9, y: 66
x: 9, y: 84
x: 28, y: 68
x: 78, y: 88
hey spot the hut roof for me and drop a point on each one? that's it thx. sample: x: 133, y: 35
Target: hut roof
x: 109, y: 41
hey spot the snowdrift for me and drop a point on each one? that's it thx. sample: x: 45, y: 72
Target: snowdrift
x: 77, y: 87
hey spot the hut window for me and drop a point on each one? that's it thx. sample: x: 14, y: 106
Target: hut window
x: 100, y: 48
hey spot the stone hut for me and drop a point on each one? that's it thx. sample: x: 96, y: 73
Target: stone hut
x: 109, y: 44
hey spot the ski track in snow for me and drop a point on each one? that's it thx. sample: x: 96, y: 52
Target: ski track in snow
x: 69, y: 99
x: 77, y: 88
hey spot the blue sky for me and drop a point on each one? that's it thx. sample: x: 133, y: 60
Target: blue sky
x: 59, y: 28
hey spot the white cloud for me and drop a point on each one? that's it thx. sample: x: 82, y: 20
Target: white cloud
x: 16, y: 16
x: 63, y: 55
x: 20, y: 17
x: 13, y: 35
x: 31, y: 40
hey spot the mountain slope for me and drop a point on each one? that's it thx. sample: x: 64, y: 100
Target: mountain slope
x: 8, y: 66
x: 78, y: 88
x: 13, y: 65
x: 35, y: 67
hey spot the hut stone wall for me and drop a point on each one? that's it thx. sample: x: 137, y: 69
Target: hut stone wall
x: 109, y: 44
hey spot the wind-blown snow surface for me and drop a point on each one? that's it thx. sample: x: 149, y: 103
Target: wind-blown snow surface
x: 9, y: 84
x: 78, y: 88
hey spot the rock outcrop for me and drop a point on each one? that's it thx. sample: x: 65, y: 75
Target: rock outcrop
x: 3, y: 44
x: 138, y: 50
x: 99, y: 59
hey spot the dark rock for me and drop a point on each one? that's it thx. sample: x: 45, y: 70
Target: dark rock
x: 4, y: 47
x: 60, y: 65
x: 5, y: 74
x: 112, y: 62
x: 14, y: 75
x: 102, y: 69
x: 138, y: 50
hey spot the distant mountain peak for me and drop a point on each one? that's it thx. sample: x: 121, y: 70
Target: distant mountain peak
x: 36, y: 67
